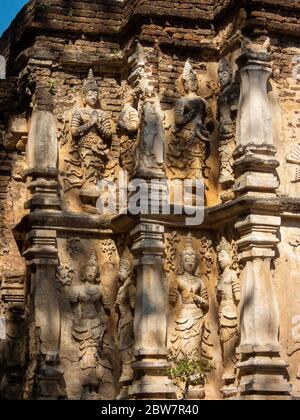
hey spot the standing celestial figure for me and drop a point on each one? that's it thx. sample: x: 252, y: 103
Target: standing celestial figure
x: 227, y: 105
x: 128, y: 125
x: 228, y: 297
x: 91, y: 306
x: 125, y: 305
x: 188, y: 147
x: 192, y: 307
x: 92, y: 132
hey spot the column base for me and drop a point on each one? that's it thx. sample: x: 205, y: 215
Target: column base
x: 263, y: 377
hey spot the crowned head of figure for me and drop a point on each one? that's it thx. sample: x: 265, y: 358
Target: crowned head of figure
x: 224, y: 72
x: 189, y: 79
x: 224, y: 250
x: 188, y: 256
x: 91, y: 272
x: 90, y: 90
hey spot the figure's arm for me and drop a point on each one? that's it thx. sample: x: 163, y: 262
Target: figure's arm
x: 74, y: 300
x: 209, y: 118
x: 104, y: 127
x: 105, y: 300
x: 173, y: 293
x: 132, y: 297
x: 219, y: 291
x: 236, y: 288
x: 73, y: 295
x: 182, y: 118
x: 201, y: 298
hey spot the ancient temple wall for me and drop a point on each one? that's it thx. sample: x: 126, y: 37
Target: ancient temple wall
x: 52, y: 234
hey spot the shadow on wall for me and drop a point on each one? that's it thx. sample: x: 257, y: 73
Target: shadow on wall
x: 2, y: 68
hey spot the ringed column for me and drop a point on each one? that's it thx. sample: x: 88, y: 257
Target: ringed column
x: 262, y: 373
x: 41, y: 251
x: 150, y: 324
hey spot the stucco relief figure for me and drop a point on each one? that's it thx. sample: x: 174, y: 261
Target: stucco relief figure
x: 128, y: 126
x: 227, y: 105
x: 192, y: 306
x: 190, y: 138
x: 91, y: 306
x: 228, y: 297
x: 125, y: 306
x: 92, y: 132
x: 151, y: 149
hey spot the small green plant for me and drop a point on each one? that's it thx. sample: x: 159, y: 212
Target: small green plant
x: 71, y: 12
x: 188, y: 372
x: 52, y: 87
x: 116, y: 50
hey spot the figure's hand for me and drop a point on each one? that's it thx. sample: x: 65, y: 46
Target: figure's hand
x: 73, y: 298
x: 189, y: 116
x: 199, y: 301
x: 94, y: 118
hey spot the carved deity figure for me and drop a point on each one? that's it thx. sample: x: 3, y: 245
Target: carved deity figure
x: 128, y: 125
x: 228, y: 296
x: 151, y: 149
x: 92, y: 132
x: 90, y: 325
x: 125, y: 305
x: 192, y: 307
x: 227, y: 105
x: 190, y: 138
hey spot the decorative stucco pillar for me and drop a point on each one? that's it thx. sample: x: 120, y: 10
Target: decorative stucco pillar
x: 41, y: 251
x: 150, y: 324
x: 262, y: 372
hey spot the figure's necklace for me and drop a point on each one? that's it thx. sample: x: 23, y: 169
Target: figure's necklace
x: 190, y: 279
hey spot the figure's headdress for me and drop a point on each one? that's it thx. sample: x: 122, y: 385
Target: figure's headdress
x: 189, y: 247
x: 188, y: 72
x: 224, y: 66
x: 90, y: 83
x: 126, y: 262
x: 92, y: 262
x: 224, y: 245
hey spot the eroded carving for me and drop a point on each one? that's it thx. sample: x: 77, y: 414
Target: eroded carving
x: 227, y: 107
x: 228, y: 297
x: 91, y: 307
x: 128, y: 125
x: 92, y: 133
x: 190, y: 136
x: 193, y: 304
x: 125, y: 306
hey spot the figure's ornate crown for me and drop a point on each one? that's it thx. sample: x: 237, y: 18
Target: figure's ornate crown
x: 126, y: 262
x: 90, y: 83
x: 224, y: 65
x: 189, y: 247
x: 188, y: 72
x: 224, y: 245
x: 93, y: 260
